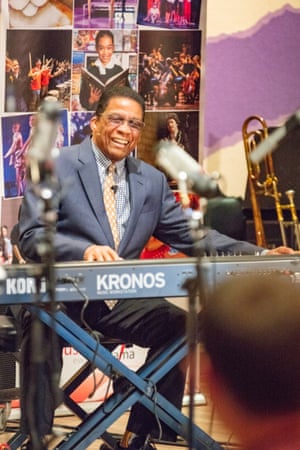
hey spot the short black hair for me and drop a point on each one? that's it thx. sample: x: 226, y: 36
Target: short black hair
x: 120, y: 91
x: 173, y: 116
x: 101, y: 34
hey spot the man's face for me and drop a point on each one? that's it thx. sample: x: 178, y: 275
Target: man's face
x: 15, y: 66
x: 105, y: 49
x: 117, y: 140
x: 172, y: 125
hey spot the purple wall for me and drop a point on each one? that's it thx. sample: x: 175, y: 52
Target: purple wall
x: 257, y: 72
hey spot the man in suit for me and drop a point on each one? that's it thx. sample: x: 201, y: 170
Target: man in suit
x: 251, y: 335
x: 16, y: 87
x: 145, y: 207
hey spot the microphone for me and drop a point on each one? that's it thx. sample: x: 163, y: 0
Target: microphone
x: 114, y: 188
x: 272, y: 142
x: 180, y: 165
x: 42, y: 149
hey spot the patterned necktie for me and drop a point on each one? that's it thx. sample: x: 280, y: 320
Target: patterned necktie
x: 109, y: 197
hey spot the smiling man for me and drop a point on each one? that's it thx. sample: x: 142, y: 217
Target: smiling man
x: 108, y: 215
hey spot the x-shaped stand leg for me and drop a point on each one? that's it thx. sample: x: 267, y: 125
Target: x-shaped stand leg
x: 141, y: 387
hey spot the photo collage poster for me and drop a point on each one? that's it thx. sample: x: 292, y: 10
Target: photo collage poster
x: 156, y: 49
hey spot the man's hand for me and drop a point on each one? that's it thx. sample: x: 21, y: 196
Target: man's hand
x: 100, y: 253
x: 282, y: 250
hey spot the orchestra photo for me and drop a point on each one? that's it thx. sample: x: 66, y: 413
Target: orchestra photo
x: 170, y: 70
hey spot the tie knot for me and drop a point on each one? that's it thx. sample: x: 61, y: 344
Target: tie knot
x: 111, y: 169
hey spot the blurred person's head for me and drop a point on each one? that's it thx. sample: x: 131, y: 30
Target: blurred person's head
x: 251, y: 335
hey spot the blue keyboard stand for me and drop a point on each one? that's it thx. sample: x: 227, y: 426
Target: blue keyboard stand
x: 140, y: 388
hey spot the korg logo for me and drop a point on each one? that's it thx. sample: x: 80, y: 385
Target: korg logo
x: 21, y: 286
x: 130, y: 281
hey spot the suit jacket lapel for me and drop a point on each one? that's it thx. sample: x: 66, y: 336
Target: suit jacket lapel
x: 137, y: 198
x: 88, y: 174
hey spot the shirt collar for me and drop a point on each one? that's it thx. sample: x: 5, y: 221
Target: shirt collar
x: 105, y: 162
x: 102, y: 68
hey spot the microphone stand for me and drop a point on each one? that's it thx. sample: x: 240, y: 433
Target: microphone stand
x: 196, y: 293
x: 44, y: 339
x: 44, y: 346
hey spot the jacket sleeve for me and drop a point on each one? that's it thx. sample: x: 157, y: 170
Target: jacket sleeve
x: 35, y: 238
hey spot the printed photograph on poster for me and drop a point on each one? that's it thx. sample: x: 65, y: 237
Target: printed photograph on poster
x: 79, y: 126
x: 105, y: 13
x: 17, y: 133
x: 101, y: 59
x: 179, y: 14
x: 40, y: 14
x: 180, y: 127
x: 38, y: 65
x: 170, y: 69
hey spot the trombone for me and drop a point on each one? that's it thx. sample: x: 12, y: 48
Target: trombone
x: 264, y: 182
